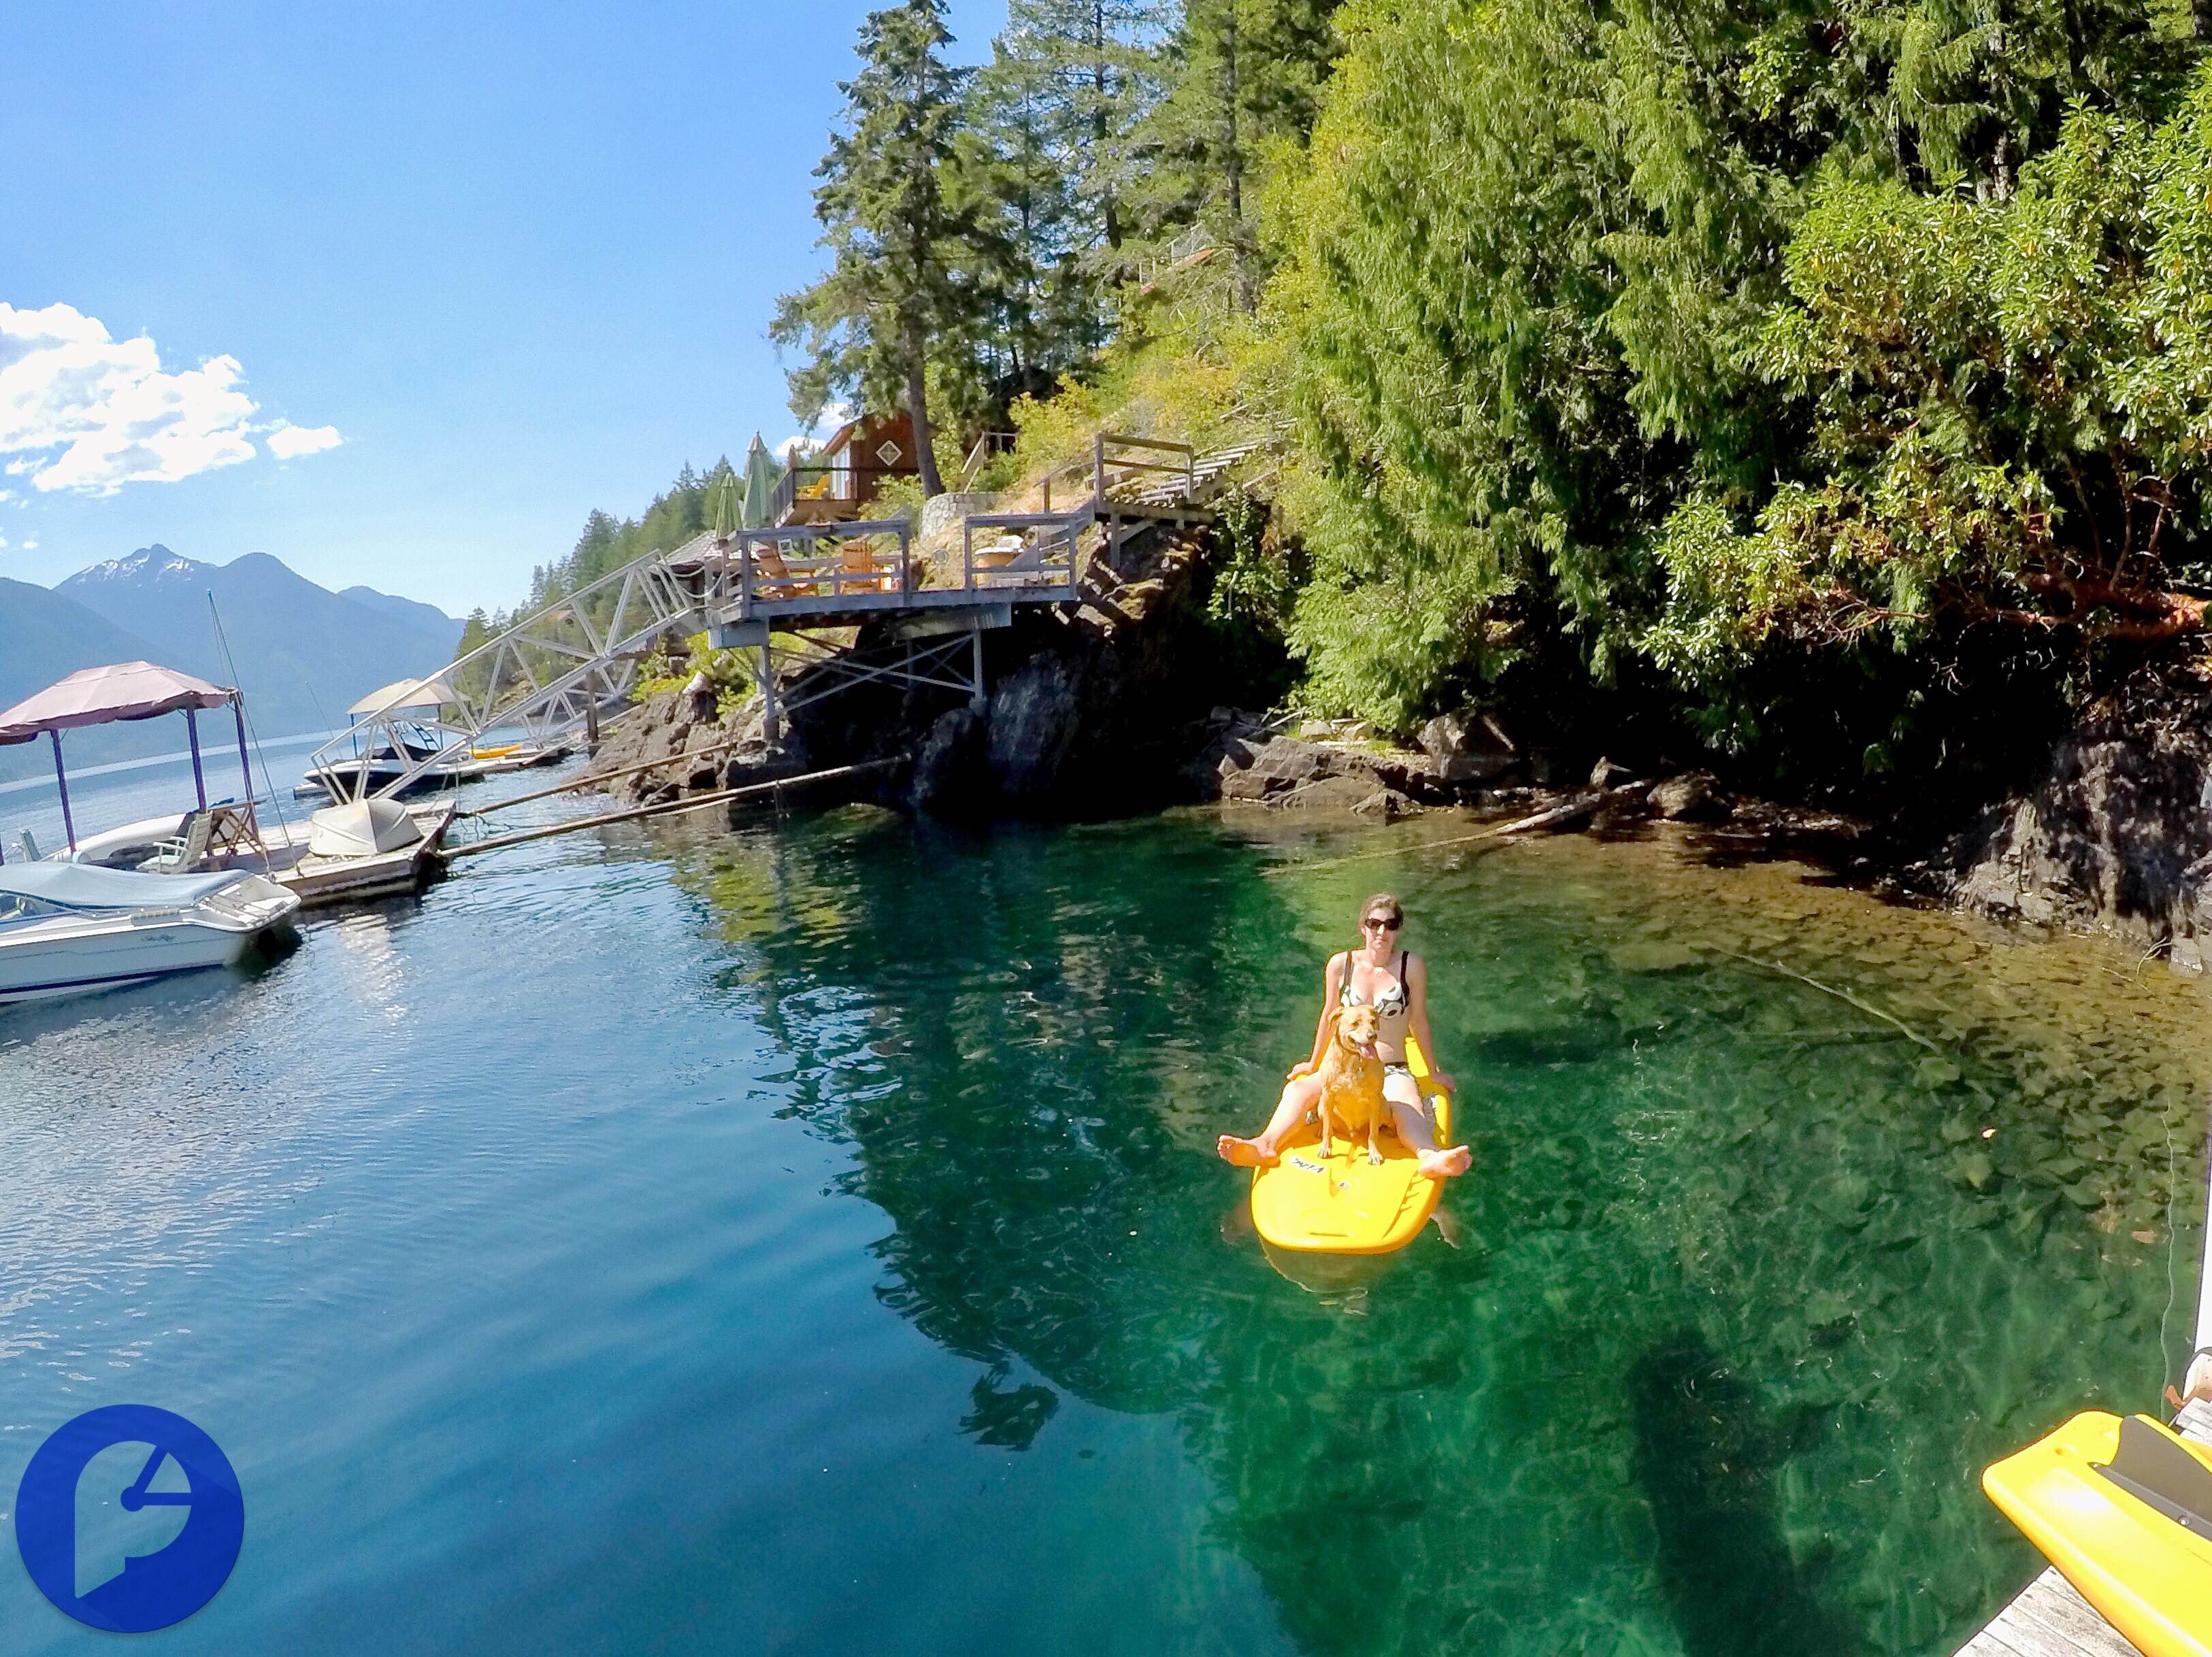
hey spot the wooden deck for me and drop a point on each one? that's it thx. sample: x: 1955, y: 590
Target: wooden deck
x: 2049, y: 1619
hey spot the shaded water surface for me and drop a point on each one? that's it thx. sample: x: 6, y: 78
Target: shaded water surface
x: 807, y: 1240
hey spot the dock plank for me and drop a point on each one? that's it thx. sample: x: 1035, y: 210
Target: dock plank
x: 2049, y: 1619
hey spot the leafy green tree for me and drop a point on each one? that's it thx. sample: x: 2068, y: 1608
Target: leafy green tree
x: 2012, y: 410
x: 894, y: 232
x: 1531, y: 261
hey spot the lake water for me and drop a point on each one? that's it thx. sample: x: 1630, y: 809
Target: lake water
x: 806, y: 1239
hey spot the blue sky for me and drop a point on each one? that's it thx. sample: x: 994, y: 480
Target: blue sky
x: 492, y: 265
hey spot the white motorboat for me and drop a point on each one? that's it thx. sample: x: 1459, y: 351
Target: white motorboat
x: 66, y: 928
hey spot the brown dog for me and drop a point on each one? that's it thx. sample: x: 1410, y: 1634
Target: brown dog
x: 1352, y: 1079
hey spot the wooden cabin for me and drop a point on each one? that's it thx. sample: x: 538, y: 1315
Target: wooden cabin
x: 841, y: 484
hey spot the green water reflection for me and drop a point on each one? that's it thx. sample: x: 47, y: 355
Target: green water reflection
x: 1755, y: 1273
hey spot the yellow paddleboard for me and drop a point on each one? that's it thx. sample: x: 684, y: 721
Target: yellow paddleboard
x: 2125, y: 1524
x: 1342, y: 1203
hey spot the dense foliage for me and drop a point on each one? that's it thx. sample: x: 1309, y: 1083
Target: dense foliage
x: 1781, y: 374
x: 1688, y: 334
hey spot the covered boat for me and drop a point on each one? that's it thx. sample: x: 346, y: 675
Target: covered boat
x: 68, y: 927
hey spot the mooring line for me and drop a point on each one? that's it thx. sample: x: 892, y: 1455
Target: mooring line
x: 1868, y: 1008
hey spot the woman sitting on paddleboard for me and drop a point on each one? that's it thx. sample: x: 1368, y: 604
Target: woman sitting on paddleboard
x: 1396, y: 984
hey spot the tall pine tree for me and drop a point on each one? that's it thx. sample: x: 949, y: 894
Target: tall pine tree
x: 897, y: 234
x: 1246, y: 79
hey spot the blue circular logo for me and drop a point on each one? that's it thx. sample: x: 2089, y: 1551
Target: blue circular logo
x: 129, y: 1518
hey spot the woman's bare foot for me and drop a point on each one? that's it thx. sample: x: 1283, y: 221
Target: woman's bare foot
x: 1444, y: 1164
x: 1246, y: 1153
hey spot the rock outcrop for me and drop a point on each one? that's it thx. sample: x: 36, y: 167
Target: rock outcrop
x: 2117, y: 835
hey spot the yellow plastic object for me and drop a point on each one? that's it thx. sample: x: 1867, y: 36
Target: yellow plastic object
x: 1342, y: 1203
x: 494, y: 753
x: 2145, y: 1571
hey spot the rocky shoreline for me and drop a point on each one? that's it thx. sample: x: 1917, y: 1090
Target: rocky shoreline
x: 1108, y: 708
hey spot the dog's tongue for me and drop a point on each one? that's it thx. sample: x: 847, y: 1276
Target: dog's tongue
x: 1366, y: 1049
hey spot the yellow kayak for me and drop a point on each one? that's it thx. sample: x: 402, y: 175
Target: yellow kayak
x: 1342, y: 1203
x: 2123, y: 1508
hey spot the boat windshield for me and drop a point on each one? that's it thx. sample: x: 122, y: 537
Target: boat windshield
x: 15, y: 908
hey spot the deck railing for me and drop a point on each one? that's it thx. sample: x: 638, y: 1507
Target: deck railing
x: 812, y: 561
x: 1045, y: 558
x: 988, y: 447
x: 815, y: 483
x: 1110, y: 472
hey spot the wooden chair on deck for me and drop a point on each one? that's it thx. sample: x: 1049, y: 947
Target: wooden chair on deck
x: 772, y: 577
x: 859, y: 573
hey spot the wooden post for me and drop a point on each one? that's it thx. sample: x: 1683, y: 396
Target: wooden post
x: 977, y: 701
x: 770, y: 729
x: 1099, y: 469
x: 590, y: 719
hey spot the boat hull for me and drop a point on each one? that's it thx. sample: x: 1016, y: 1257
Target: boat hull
x: 77, y: 953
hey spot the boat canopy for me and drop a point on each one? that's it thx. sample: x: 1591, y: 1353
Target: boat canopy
x: 100, y: 695
x: 121, y: 690
x: 404, y: 695
x: 88, y: 886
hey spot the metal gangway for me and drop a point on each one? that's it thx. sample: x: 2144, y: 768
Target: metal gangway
x: 791, y: 595
x: 546, y: 675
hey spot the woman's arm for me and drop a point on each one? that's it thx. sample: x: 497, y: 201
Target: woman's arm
x: 1329, y: 979
x: 1417, y: 1013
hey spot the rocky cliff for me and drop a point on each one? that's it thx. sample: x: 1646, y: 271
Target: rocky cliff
x: 2117, y: 836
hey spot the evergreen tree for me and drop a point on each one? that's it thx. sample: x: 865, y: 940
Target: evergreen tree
x: 1245, y: 81
x: 1092, y: 69
x: 890, y: 301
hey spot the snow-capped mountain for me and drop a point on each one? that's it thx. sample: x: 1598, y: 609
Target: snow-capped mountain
x: 302, y: 654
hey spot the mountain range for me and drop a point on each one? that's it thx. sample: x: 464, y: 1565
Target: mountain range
x: 302, y: 654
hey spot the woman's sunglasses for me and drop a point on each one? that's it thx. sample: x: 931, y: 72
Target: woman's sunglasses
x: 1385, y: 921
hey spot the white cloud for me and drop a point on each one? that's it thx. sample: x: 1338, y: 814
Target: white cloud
x: 82, y: 412
x: 289, y: 442
x: 30, y: 546
x: 825, y: 425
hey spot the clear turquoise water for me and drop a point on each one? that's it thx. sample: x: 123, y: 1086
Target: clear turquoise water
x: 805, y: 1240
